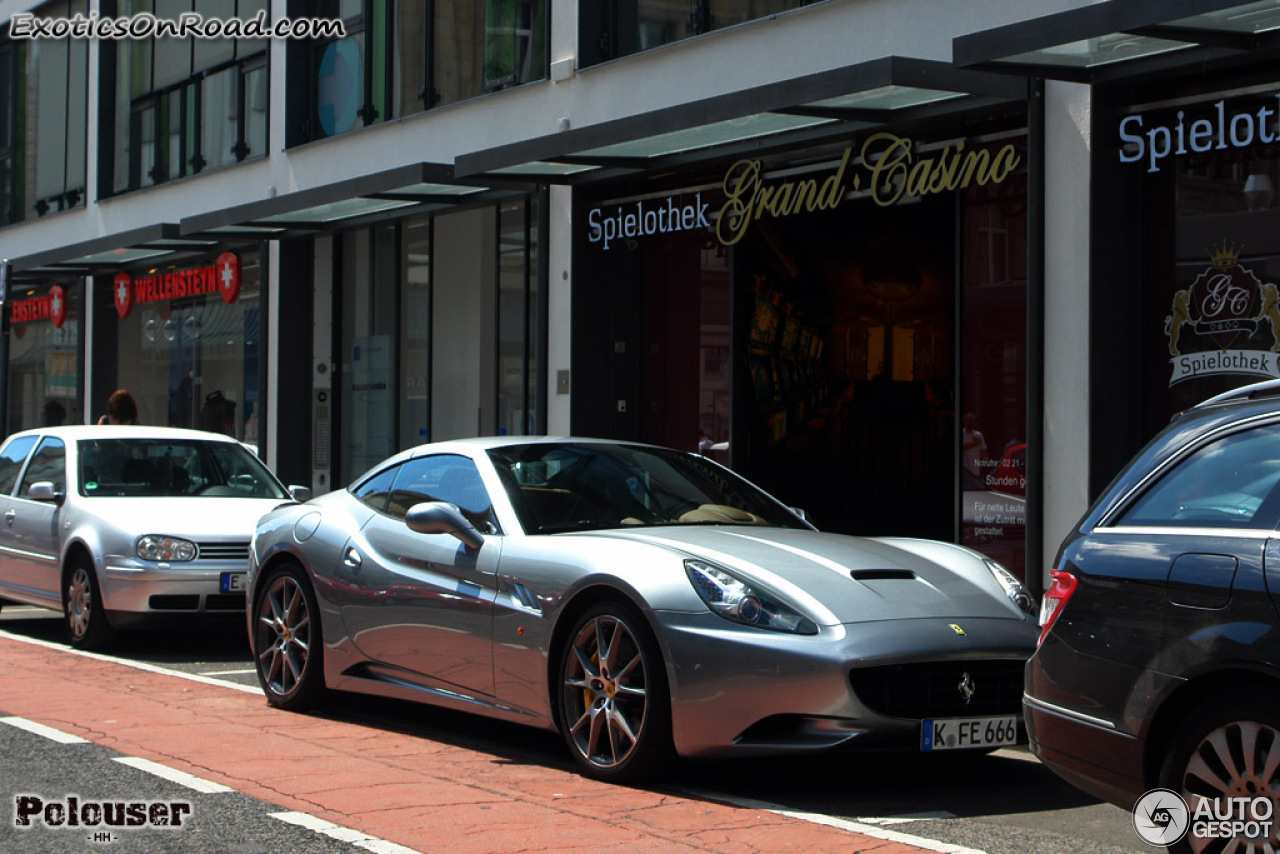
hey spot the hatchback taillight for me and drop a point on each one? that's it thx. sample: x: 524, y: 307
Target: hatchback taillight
x: 1063, y: 584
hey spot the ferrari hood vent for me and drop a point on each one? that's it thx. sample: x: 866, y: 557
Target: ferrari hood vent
x: 882, y: 575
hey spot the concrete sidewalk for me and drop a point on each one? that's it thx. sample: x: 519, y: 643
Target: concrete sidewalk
x: 425, y: 795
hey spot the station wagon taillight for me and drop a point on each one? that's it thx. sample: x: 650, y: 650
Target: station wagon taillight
x: 1063, y: 584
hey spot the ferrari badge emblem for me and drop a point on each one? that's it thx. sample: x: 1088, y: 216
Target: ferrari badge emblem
x: 967, y: 687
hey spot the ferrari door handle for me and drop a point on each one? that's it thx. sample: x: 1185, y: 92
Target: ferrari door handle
x: 352, y: 558
x: 9, y: 516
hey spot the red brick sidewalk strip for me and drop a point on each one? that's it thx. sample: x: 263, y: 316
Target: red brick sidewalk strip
x: 418, y: 793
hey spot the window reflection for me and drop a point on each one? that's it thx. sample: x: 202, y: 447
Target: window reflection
x: 43, y: 98
x: 399, y: 58
x: 623, y: 27
x: 185, y: 105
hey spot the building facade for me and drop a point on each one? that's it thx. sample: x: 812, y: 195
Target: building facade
x: 919, y: 273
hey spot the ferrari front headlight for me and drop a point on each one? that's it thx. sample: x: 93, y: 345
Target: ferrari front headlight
x: 167, y: 549
x: 734, y: 599
x: 1012, y: 588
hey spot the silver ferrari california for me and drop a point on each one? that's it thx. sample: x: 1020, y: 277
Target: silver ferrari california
x: 643, y: 601
x: 118, y: 525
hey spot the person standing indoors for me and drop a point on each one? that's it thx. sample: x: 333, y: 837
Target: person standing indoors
x: 121, y: 409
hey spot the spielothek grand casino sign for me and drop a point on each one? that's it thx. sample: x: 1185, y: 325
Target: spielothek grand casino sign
x: 222, y: 276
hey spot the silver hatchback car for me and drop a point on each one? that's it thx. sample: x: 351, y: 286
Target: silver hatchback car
x: 112, y: 525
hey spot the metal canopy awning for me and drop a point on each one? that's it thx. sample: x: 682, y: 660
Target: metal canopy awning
x: 795, y: 112
x: 405, y: 190
x: 108, y: 254
x: 1120, y: 38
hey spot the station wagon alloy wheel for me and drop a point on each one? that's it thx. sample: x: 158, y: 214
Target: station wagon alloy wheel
x: 288, y: 659
x: 1223, y: 754
x: 614, y: 699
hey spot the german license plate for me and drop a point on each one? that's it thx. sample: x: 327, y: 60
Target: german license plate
x: 232, y: 582
x: 961, y: 733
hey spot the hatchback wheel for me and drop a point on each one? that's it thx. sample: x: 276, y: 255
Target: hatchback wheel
x: 1230, y: 749
x: 615, y: 708
x: 82, y: 611
x: 287, y: 641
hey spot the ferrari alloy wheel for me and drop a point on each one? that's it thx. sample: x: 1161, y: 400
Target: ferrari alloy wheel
x: 82, y: 611
x: 614, y: 704
x: 1227, y: 750
x: 287, y: 641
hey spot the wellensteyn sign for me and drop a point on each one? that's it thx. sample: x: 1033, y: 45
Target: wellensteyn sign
x: 890, y: 168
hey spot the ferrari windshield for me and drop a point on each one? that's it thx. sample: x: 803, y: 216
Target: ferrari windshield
x: 567, y: 486
x: 165, y: 468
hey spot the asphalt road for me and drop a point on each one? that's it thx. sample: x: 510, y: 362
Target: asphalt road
x: 1006, y: 803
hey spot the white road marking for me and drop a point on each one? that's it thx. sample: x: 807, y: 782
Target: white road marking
x: 905, y: 818
x: 343, y: 834
x: 173, y: 775
x: 228, y: 672
x: 136, y: 665
x: 46, y: 731
x: 840, y: 823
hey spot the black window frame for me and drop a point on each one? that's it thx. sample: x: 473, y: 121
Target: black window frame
x: 193, y: 159
x: 305, y: 58
x: 14, y: 206
x: 600, y: 28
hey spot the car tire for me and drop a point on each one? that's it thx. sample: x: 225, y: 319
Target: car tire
x: 82, y: 612
x: 615, y: 705
x: 1216, y: 734
x: 288, y: 644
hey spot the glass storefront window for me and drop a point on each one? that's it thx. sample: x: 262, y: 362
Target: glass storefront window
x: 43, y: 373
x: 370, y: 268
x: 815, y: 350
x: 404, y: 344
x: 1203, y: 239
x: 189, y: 361
x: 513, y: 325
x: 993, y: 399
x: 415, y: 334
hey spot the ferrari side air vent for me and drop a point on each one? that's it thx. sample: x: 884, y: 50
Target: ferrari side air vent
x: 882, y: 575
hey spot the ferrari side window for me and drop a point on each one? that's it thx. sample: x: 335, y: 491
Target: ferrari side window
x: 12, y: 457
x: 376, y: 490
x: 443, y: 477
x: 1228, y: 483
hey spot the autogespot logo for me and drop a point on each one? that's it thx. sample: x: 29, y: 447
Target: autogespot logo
x: 1160, y: 817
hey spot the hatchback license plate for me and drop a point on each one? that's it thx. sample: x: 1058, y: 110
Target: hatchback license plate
x: 232, y: 582
x: 961, y: 733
